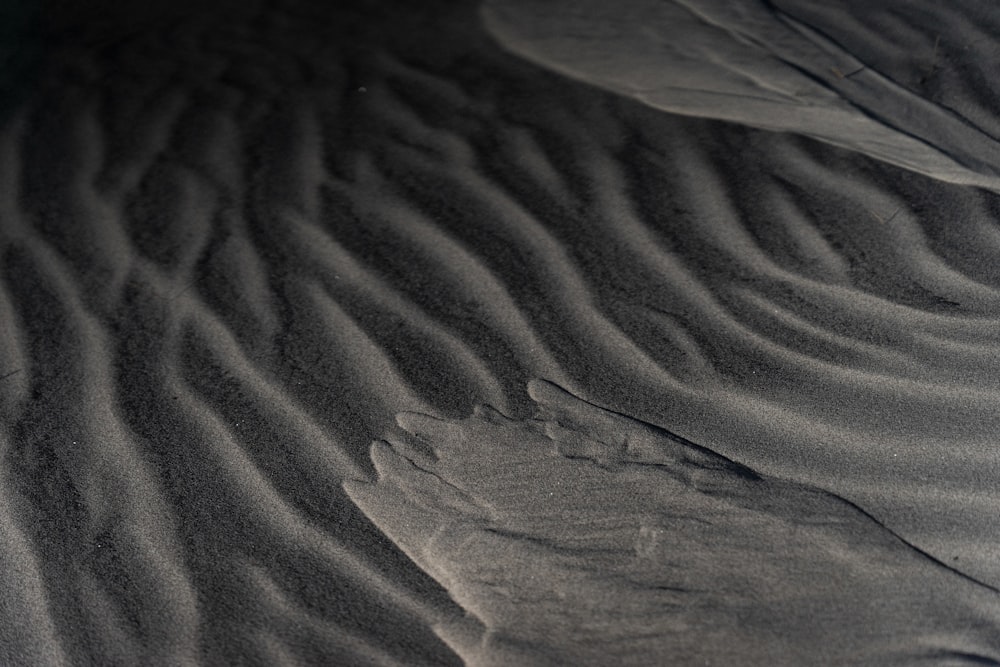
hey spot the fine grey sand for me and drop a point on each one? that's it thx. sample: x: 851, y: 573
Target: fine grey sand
x: 727, y: 275
x: 585, y: 533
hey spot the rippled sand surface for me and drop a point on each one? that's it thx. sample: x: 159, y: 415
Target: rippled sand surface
x: 723, y: 279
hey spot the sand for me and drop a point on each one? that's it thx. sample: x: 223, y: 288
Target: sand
x: 499, y: 334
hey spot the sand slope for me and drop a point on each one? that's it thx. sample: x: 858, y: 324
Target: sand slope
x: 585, y: 534
x: 234, y: 245
x: 903, y: 82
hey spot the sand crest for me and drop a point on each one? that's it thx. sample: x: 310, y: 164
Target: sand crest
x: 235, y: 244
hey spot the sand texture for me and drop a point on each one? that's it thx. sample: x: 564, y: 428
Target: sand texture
x: 513, y: 333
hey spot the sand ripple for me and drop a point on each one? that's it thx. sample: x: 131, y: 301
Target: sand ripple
x: 234, y: 247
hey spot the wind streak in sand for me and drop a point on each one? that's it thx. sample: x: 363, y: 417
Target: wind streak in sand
x: 782, y: 66
x: 585, y: 533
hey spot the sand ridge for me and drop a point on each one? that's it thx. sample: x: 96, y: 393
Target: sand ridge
x: 234, y: 246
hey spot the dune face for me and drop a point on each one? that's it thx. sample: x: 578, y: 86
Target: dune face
x: 237, y: 240
x: 583, y: 534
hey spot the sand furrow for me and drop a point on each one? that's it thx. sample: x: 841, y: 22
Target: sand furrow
x: 236, y: 242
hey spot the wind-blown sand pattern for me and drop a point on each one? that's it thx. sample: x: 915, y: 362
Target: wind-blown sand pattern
x: 786, y: 66
x: 620, y: 538
x: 236, y: 243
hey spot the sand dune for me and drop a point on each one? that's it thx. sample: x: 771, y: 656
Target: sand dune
x: 234, y: 245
